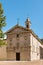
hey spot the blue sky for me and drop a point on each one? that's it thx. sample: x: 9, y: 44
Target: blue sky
x: 14, y: 9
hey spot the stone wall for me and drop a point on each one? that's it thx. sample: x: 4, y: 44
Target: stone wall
x: 20, y: 45
x: 3, y: 54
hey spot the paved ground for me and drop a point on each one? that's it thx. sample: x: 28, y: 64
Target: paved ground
x: 40, y: 62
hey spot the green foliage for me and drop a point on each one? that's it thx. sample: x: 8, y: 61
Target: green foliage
x: 2, y: 43
x: 2, y: 24
x: 1, y: 34
x: 2, y: 18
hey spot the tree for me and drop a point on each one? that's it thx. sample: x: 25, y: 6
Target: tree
x: 2, y: 24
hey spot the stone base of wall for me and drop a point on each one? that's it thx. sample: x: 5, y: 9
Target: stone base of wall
x: 40, y: 62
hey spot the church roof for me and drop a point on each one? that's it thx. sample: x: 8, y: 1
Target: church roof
x: 16, y: 26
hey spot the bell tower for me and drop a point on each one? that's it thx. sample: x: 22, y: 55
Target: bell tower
x: 27, y: 23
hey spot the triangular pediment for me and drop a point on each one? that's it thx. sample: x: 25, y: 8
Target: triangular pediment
x: 16, y: 29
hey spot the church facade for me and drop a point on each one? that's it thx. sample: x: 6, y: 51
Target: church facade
x: 23, y: 44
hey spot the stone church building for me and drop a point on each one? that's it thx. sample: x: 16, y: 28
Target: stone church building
x: 22, y: 44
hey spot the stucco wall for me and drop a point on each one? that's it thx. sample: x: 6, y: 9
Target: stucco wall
x: 35, y: 48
